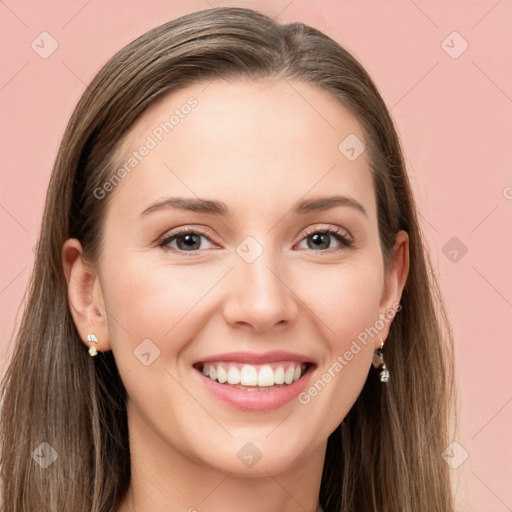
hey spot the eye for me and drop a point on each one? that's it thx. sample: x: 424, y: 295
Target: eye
x: 321, y: 238
x: 187, y: 240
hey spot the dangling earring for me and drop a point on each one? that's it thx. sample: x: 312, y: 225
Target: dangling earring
x: 92, y: 348
x: 378, y: 361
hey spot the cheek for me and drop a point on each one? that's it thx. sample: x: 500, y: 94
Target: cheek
x: 148, y: 300
x: 154, y: 311
x: 345, y: 298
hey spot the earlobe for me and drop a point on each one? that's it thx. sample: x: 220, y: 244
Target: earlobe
x: 85, y: 296
x: 394, y: 282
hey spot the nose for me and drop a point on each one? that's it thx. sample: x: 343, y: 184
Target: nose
x: 258, y: 296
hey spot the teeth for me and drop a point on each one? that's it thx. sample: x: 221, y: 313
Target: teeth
x: 262, y: 376
x: 248, y: 375
x: 222, y: 375
x: 233, y: 375
x: 288, y: 376
x: 266, y: 376
x: 279, y: 375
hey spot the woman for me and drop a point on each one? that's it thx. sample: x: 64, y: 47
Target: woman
x: 230, y: 231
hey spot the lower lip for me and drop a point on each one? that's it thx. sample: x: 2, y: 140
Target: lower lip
x: 251, y: 401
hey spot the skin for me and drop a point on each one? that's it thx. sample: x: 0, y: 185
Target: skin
x: 258, y: 147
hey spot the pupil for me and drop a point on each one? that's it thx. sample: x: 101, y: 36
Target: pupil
x: 189, y: 241
x: 317, y: 238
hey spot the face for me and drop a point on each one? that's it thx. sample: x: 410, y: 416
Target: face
x: 268, y: 294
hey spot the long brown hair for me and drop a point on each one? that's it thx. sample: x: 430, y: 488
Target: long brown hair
x: 385, y: 455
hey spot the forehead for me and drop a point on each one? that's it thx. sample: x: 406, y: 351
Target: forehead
x: 249, y: 144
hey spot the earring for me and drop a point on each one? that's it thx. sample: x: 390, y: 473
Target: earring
x: 92, y: 349
x: 378, y: 361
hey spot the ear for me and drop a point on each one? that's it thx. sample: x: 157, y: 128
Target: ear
x: 394, y: 283
x: 85, y: 296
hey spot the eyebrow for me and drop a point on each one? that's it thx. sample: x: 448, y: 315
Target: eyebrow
x: 212, y: 207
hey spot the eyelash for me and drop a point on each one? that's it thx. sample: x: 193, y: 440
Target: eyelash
x: 335, y: 232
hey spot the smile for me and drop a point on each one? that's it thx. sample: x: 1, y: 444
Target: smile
x: 255, y: 382
x: 254, y: 377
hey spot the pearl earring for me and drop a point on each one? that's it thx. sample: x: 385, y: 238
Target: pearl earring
x: 92, y: 348
x: 378, y: 362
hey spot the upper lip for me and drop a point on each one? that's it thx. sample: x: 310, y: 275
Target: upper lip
x: 255, y: 358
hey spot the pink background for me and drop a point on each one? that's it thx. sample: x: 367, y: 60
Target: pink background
x: 454, y: 118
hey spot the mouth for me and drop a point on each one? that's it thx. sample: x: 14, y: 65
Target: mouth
x: 255, y: 382
x: 254, y: 377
